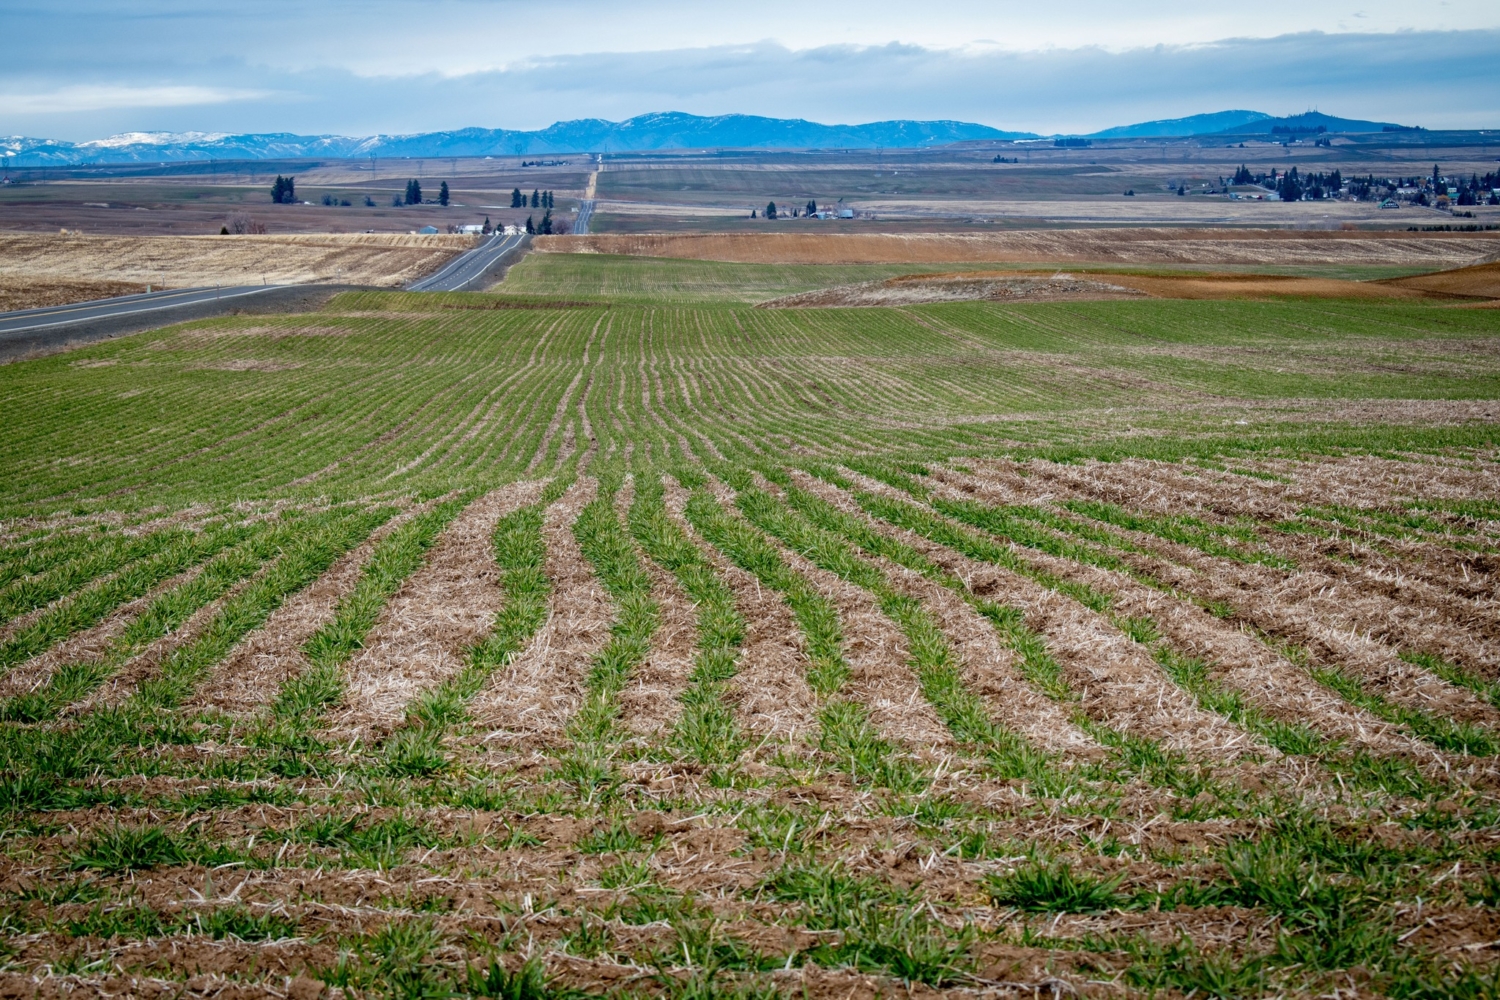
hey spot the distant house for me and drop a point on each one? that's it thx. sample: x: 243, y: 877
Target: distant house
x: 472, y: 230
x: 427, y: 231
x: 846, y: 213
x: 1390, y: 203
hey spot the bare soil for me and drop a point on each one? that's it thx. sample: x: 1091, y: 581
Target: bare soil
x: 37, y: 292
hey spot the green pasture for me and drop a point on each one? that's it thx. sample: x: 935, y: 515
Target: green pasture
x: 388, y: 391
x: 644, y: 280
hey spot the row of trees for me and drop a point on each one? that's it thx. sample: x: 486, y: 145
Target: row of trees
x: 539, y: 199
x: 547, y: 227
x: 772, y: 212
x: 284, y: 191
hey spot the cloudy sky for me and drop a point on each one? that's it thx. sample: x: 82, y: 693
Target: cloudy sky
x: 81, y: 69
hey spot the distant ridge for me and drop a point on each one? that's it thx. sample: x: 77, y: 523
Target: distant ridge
x: 659, y: 131
x: 1310, y: 122
x: 1216, y: 121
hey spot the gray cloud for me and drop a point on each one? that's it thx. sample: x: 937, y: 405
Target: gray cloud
x: 1436, y: 79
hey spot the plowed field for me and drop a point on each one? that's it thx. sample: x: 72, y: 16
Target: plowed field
x: 424, y: 648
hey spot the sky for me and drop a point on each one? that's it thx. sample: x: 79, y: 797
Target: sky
x: 84, y: 69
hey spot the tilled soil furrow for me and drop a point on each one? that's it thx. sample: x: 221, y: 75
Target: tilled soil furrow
x: 124, y: 682
x: 880, y: 677
x: 427, y: 628
x: 1173, y: 489
x: 649, y: 703
x: 989, y: 667
x: 1118, y: 682
x: 771, y: 695
x: 87, y: 645
x: 532, y: 698
x: 247, y: 680
x: 1325, y: 615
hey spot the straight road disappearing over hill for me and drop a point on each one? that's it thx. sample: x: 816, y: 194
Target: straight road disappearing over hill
x: 463, y: 271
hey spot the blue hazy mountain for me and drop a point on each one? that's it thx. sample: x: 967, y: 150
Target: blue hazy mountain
x: 1216, y: 121
x: 1309, y: 122
x: 669, y: 130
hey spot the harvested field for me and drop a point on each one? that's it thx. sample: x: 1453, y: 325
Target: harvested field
x: 73, y: 267
x: 35, y: 291
x: 1123, y: 246
x: 1009, y: 645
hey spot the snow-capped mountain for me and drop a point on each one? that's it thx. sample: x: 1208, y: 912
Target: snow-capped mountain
x: 669, y: 130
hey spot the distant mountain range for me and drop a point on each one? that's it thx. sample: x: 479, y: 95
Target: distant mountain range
x: 1218, y: 121
x: 668, y: 130
x: 1308, y: 123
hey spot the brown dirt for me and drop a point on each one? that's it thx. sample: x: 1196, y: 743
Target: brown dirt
x: 1414, y: 585
x: 648, y: 704
x: 1480, y: 280
x: 915, y: 289
x: 1117, y: 681
x: 1127, y: 246
x: 90, y: 644
x: 185, y: 261
x: 1453, y: 619
x: 37, y: 292
x: 771, y: 696
x: 1327, y: 617
x: 878, y: 657
x: 989, y: 668
x: 532, y: 698
x: 247, y: 680
x: 427, y: 628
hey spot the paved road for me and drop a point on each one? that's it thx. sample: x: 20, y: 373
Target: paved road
x: 464, y: 270
x: 27, y: 320
x: 585, y: 212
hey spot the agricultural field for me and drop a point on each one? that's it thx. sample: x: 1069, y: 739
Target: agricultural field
x: 607, y: 634
x: 50, y: 269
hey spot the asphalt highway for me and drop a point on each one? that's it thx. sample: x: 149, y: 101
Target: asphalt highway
x: 585, y: 213
x: 464, y: 270
x: 26, y: 320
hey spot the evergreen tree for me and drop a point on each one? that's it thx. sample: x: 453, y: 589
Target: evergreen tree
x: 812, y: 207
x: 752, y: 213
x: 547, y: 199
x: 416, y: 192
x: 443, y: 195
x: 536, y: 198
x: 516, y: 198
x: 770, y: 210
x: 284, y: 191
x: 530, y: 226
x: 487, y: 227
x: 547, y: 223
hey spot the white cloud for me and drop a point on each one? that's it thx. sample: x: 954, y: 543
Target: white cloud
x: 103, y: 97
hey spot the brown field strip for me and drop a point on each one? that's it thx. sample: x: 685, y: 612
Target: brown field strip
x: 246, y: 681
x: 770, y: 693
x: 90, y: 644
x: 878, y: 656
x: 1126, y: 246
x: 426, y: 630
x: 528, y: 702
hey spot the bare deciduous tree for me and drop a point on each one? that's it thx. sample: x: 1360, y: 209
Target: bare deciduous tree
x: 241, y: 224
